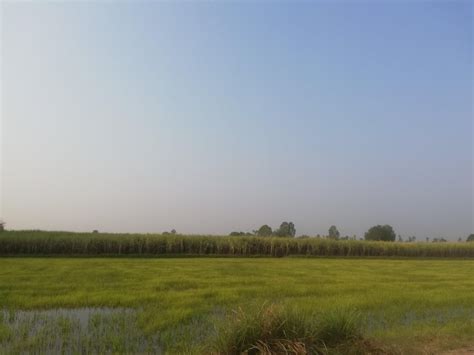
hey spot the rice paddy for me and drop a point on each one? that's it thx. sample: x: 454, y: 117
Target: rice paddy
x: 175, y: 305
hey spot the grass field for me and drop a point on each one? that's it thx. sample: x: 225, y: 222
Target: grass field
x: 405, y: 305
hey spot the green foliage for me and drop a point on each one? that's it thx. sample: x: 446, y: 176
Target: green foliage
x: 286, y: 230
x: 333, y: 233
x: 74, y: 331
x: 102, y: 244
x: 384, y: 233
x: 339, y: 327
x: 264, y: 231
x: 470, y: 238
x: 273, y: 329
x: 181, y: 298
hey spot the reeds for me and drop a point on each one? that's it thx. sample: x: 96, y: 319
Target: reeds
x: 100, y: 244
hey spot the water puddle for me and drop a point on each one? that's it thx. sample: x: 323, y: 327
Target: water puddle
x: 71, y: 331
x: 375, y: 322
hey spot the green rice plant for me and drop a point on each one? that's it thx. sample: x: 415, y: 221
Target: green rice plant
x: 405, y: 303
x: 74, y: 331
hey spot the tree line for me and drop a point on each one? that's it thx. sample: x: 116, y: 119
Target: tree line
x: 286, y: 229
x: 376, y: 233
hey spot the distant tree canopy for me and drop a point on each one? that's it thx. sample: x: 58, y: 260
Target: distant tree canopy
x: 239, y: 234
x: 2, y: 226
x: 286, y: 230
x: 264, y: 231
x: 385, y: 233
x: 333, y: 233
x: 470, y: 238
x: 303, y: 236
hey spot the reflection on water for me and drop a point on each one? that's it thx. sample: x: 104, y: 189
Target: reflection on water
x: 379, y: 321
x: 77, y: 330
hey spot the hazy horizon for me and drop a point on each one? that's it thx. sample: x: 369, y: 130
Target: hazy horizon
x: 214, y: 117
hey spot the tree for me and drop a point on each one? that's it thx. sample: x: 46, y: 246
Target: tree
x: 385, y: 233
x: 173, y: 231
x: 291, y: 229
x: 264, y: 231
x: 286, y: 230
x: 333, y: 233
x: 2, y: 226
x: 470, y: 238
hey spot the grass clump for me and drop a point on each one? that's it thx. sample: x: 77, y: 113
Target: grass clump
x: 273, y: 329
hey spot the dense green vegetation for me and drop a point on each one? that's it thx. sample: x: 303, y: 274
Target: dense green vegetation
x: 97, y: 244
x: 272, y: 329
x: 403, y: 304
x: 385, y: 233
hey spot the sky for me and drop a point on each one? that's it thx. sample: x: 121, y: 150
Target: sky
x: 211, y: 117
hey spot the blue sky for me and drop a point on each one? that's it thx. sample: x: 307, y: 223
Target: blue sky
x: 213, y: 117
